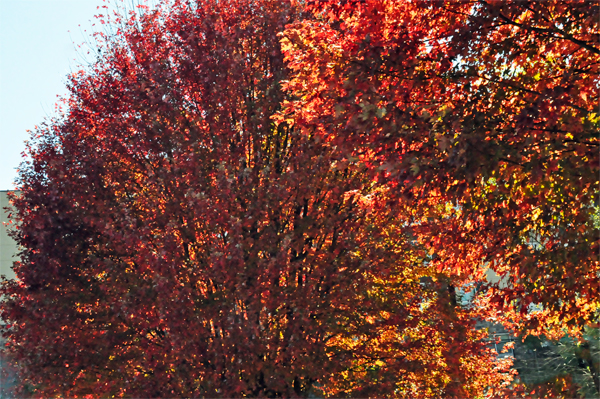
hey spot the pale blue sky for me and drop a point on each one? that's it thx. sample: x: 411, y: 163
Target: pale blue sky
x: 37, y: 51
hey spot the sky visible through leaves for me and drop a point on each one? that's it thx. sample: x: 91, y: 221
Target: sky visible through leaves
x: 38, y: 49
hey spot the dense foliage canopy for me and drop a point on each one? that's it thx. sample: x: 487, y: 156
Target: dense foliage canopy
x: 280, y: 199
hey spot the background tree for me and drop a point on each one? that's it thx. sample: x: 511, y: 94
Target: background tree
x: 180, y: 240
x: 545, y: 365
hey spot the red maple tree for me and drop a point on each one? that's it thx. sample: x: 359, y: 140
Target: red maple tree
x: 486, y: 106
x: 207, y: 220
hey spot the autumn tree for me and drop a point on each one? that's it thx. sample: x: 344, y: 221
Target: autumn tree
x: 488, y: 108
x: 181, y: 236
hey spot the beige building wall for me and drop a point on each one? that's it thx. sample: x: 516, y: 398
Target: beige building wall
x: 8, y: 248
x: 8, y: 251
